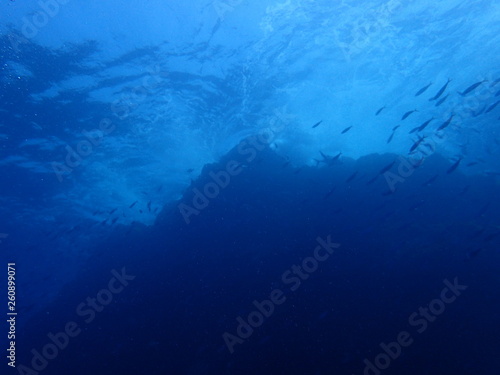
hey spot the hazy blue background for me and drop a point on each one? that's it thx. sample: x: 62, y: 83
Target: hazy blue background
x: 181, y: 84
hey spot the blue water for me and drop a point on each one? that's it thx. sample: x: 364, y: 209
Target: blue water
x: 234, y: 187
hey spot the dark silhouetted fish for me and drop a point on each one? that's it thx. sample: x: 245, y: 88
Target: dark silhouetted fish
x: 379, y: 111
x: 495, y: 82
x: 352, y: 177
x: 492, y: 107
x: 472, y: 253
x: 416, y: 144
x: 327, y: 195
x: 149, y: 206
x: 372, y: 180
x: 454, y: 166
x: 386, y: 168
x: 346, y: 129
x: 390, y: 137
x: 394, y: 128
x: 113, y: 211
x: 430, y: 180
x: 405, y: 116
x: 133, y: 204
x: 190, y: 170
x: 478, y: 112
x: 472, y: 163
x: 414, y: 130
x: 422, y: 90
x: 328, y: 160
x: 441, y: 101
x: 441, y: 91
x: 446, y: 123
x: 114, y: 220
x: 317, y: 124
x: 471, y: 88
x: 498, y: 93
x: 424, y: 125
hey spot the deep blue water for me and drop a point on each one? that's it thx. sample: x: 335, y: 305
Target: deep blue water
x: 225, y: 187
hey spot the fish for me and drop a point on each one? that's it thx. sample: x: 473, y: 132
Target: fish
x: 113, y: 211
x: 471, y: 88
x: 390, y: 137
x: 441, y: 91
x: 317, y: 124
x: 414, y: 130
x: 471, y: 164
x: 441, y: 101
x: 495, y: 82
x: 422, y: 90
x: 394, y: 128
x: 190, y: 170
x: 408, y: 114
x: 114, y: 220
x: 329, y: 193
x: 446, y: 123
x: 346, y: 130
x: 492, y: 107
x: 472, y: 253
x: 149, y: 206
x: 328, y: 160
x: 498, y: 93
x: 424, y: 125
x: 430, y: 180
x: 416, y: 144
x: 133, y: 204
x: 372, y: 180
x: 478, y: 112
x: 379, y: 111
x: 454, y: 166
x: 386, y: 168
x: 352, y: 177
x: 336, y: 157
